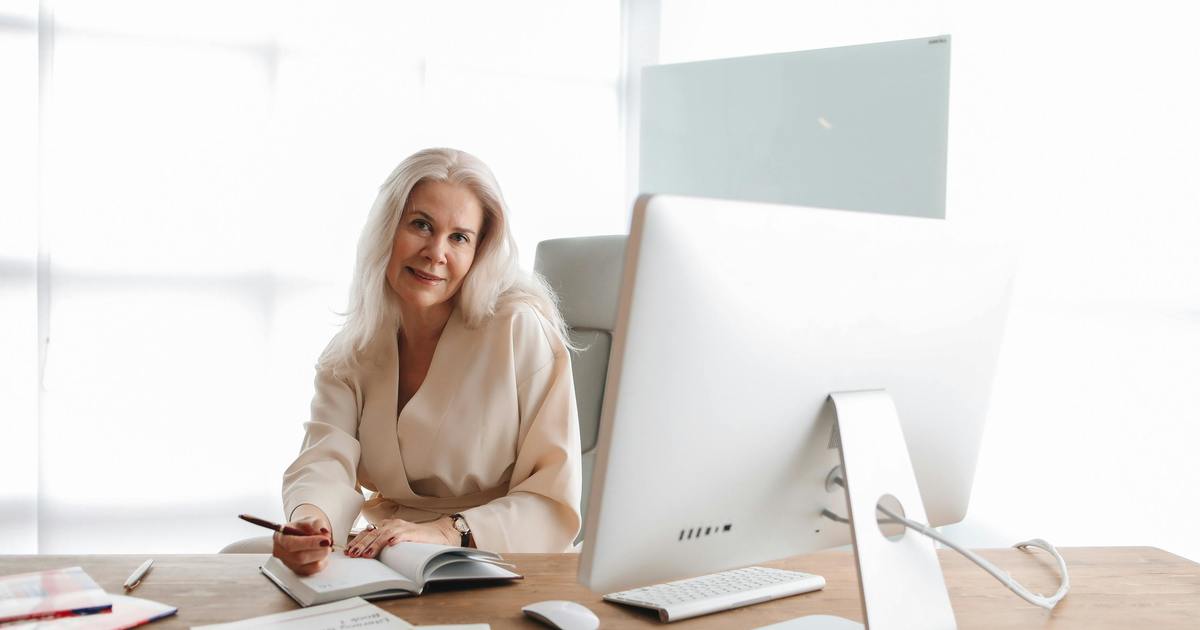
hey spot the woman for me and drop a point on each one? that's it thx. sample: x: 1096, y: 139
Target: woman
x: 447, y: 394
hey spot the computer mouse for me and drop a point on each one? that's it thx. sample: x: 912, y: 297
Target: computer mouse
x: 563, y: 615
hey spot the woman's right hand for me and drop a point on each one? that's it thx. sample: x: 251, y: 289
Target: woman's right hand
x: 304, y: 555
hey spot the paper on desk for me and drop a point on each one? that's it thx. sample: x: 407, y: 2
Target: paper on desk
x: 346, y: 614
x: 461, y: 626
x: 127, y: 612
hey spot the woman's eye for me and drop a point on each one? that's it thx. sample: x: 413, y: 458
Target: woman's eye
x: 460, y: 238
x: 422, y: 225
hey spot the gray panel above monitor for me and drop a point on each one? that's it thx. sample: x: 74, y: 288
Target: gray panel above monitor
x: 854, y: 128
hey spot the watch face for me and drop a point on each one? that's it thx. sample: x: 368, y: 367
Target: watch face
x: 461, y: 525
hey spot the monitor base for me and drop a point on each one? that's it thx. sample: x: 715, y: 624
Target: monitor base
x: 815, y: 622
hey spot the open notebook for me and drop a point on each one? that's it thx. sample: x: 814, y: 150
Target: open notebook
x: 402, y: 569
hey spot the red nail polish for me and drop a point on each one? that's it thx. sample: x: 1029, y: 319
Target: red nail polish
x: 325, y: 543
x: 324, y: 531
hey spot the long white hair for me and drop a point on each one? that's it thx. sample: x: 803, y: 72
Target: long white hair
x: 493, y: 281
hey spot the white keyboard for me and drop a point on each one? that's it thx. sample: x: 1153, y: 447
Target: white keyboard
x: 706, y: 594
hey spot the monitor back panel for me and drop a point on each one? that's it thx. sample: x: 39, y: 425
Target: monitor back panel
x: 735, y: 322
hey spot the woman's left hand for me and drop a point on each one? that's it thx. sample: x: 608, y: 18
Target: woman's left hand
x: 368, y: 543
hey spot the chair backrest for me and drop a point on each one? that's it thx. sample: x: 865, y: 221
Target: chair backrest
x: 585, y: 272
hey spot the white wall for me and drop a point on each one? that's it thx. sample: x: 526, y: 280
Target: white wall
x: 1073, y: 129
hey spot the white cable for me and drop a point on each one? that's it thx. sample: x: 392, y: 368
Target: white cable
x: 1036, y: 599
x: 1033, y: 598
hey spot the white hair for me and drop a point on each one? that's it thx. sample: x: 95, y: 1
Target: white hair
x: 493, y: 281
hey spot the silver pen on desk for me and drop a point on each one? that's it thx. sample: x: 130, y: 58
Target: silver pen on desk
x: 135, y: 578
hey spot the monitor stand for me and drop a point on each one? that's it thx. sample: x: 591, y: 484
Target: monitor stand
x: 899, y: 578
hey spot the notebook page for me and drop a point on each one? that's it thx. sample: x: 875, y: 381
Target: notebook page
x: 345, y: 572
x: 409, y: 559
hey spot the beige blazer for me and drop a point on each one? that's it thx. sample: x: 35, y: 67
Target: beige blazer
x: 492, y: 433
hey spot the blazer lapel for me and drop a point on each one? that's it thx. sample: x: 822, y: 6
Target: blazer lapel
x: 377, y: 431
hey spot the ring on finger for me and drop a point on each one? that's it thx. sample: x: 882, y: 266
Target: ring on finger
x: 370, y: 544
x: 363, y: 541
x: 377, y: 544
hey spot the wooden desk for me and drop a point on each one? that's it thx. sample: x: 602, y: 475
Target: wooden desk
x: 1115, y: 587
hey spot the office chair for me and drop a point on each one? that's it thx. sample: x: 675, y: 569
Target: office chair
x: 585, y: 272
x: 257, y: 544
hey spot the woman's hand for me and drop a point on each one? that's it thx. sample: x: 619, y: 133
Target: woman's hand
x: 304, y: 555
x: 370, y: 542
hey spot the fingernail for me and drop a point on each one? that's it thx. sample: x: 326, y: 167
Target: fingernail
x: 324, y: 531
x: 324, y: 543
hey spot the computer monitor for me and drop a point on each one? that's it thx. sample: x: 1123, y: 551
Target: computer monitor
x: 736, y: 322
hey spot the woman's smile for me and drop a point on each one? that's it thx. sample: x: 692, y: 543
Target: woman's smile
x: 424, y: 278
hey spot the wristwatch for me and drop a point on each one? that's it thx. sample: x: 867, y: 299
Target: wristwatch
x: 464, y: 530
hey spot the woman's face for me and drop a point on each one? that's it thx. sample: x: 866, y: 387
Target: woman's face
x: 435, y: 243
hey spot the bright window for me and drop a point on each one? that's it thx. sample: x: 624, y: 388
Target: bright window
x: 208, y: 168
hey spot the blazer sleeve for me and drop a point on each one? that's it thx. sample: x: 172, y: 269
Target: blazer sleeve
x: 324, y: 473
x: 540, y: 513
